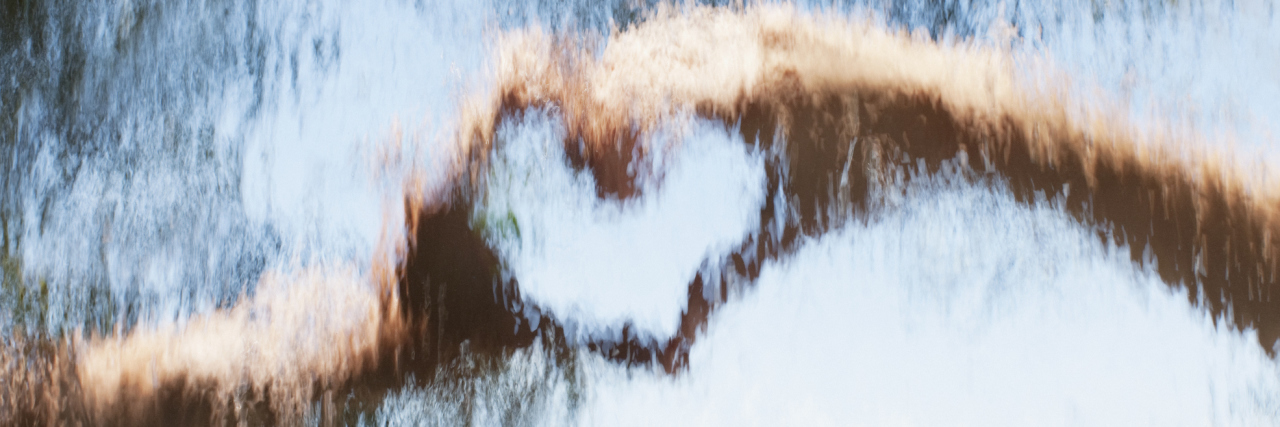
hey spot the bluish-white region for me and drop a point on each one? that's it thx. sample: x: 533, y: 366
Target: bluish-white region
x: 963, y: 307
x: 1205, y: 67
x: 602, y: 263
x: 367, y: 71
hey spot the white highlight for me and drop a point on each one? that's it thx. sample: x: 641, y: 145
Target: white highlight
x: 361, y: 71
x: 602, y: 263
x: 962, y: 308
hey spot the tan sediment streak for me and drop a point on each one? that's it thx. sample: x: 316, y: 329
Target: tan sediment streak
x: 712, y: 61
x: 297, y: 334
x: 1208, y: 218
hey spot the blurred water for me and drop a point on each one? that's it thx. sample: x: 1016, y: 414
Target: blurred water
x: 159, y: 157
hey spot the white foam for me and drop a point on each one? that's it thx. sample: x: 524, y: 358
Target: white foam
x: 173, y: 223
x: 365, y: 69
x: 602, y: 263
x: 963, y: 308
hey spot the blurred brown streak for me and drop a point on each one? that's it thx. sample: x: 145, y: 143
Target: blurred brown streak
x: 454, y: 293
x: 1139, y: 205
x: 812, y: 136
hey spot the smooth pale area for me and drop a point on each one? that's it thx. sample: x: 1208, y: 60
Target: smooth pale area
x: 600, y: 263
x: 961, y: 308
